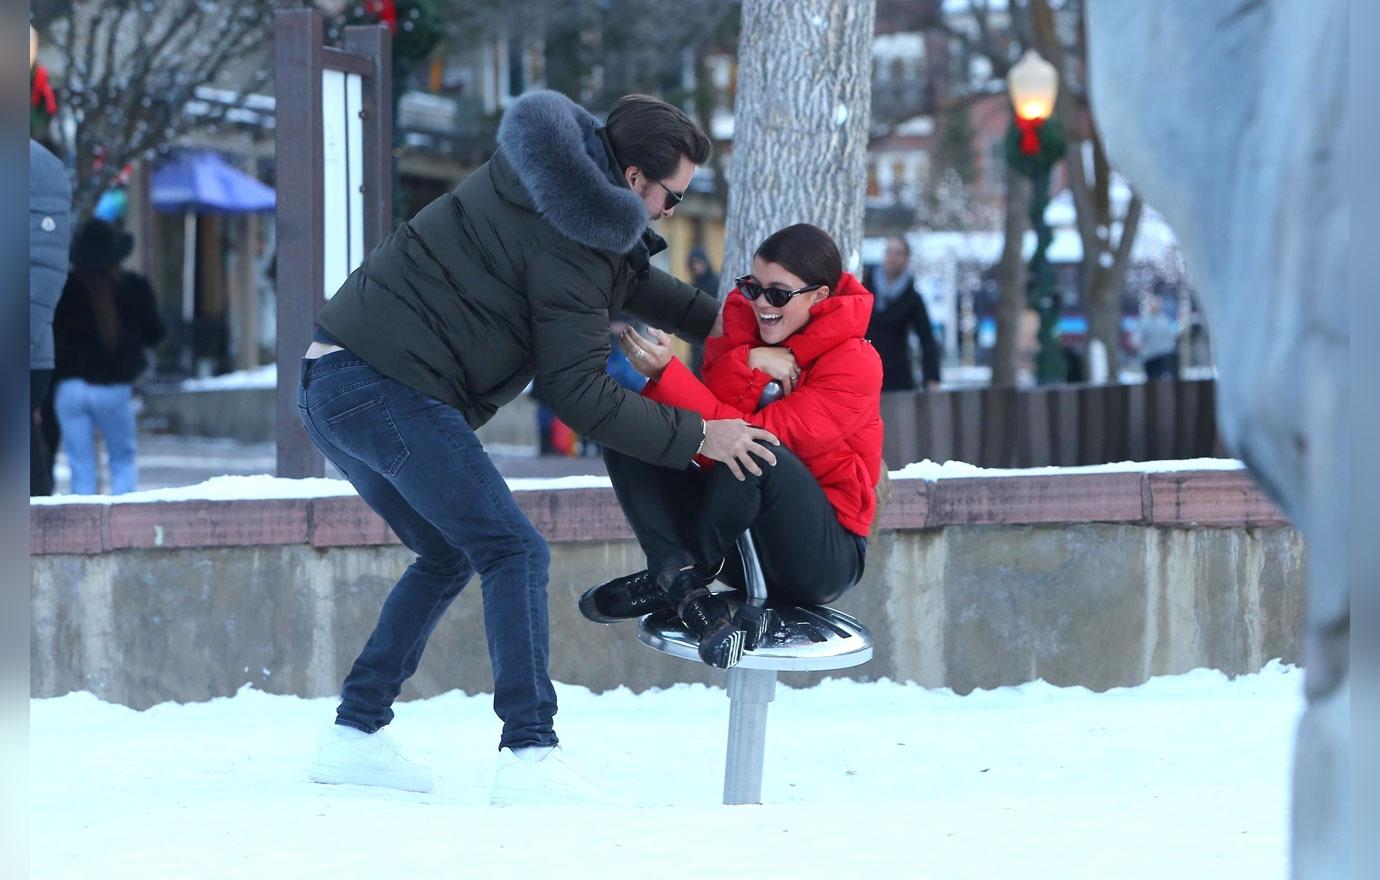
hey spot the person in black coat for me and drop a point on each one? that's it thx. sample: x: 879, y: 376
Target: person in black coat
x: 897, y: 311
x: 105, y: 320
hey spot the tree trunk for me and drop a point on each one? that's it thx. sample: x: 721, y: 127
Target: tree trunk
x: 800, y: 125
x: 1011, y: 300
x: 1107, y: 281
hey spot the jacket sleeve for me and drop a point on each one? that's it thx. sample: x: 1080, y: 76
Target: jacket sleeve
x: 731, y: 380
x: 142, y: 316
x: 569, y: 297
x: 929, y: 348
x: 670, y: 304
x: 839, y: 393
x: 50, y: 239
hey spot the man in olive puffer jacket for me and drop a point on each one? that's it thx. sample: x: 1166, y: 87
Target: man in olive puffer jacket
x: 510, y: 278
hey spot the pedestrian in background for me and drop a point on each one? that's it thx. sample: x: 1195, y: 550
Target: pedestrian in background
x: 1157, y: 339
x: 702, y: 277
x: 50, y: 238
x: 105, y: 321
x: 898, y: 310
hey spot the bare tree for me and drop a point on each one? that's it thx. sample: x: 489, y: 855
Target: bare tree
x: 999, y: 44
x: 130, y: 68
x: 800, y: 124
x: 1107, y: 239
x: 599, y: 50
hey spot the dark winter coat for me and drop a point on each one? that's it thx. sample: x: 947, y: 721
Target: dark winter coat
x: 514, y: 275
x: 50, y: 238
x: 889, y: 331
x: 81, y: 351
x: 832, y: 420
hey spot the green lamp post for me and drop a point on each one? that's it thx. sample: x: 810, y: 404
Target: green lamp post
x: 1034, y: 143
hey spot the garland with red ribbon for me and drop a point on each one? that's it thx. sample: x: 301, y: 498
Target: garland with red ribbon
x: 386, y: 11
x: 1030, y: 135
x: 42, y: 93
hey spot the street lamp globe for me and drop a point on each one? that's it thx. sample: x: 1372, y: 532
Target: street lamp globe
x: 1034, y: 85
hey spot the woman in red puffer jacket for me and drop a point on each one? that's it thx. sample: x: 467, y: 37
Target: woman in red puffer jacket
x: 797, y: 323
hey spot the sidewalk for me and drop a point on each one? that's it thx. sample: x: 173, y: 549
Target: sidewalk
x: 168, y: 461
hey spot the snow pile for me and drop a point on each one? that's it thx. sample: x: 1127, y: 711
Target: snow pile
x: 265, y: 376
x: 929, y: 470
x: 1185, y: 777
x: 263, y: 486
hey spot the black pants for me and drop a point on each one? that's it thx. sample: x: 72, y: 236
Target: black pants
x: 1166, y: 366
x: 695, y: 517
x: 40, y: 454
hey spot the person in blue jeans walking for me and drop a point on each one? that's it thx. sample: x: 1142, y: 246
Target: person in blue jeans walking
x: 511, y: 278
x: 104, y: 323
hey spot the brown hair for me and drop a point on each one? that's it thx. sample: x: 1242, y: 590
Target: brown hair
x: 653, y: 135
x: 807, y: 251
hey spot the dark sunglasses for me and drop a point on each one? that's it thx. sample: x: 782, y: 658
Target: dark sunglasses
x: 776, y: 297
x: 672, y: 198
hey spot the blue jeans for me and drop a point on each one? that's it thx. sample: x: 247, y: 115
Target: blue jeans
x: 81, y: 409
x: 417, y: 463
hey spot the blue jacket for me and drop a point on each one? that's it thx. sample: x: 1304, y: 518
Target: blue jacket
x: 50, y: 238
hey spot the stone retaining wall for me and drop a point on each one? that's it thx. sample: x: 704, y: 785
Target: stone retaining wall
x: 1099, y: 580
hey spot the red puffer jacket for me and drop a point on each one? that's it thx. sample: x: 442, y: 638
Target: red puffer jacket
x: 832, y: 420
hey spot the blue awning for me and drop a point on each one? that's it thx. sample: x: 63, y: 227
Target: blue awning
x: 204, y: 183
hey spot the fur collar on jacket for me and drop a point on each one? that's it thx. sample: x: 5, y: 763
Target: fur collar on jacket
x: 555, y: 149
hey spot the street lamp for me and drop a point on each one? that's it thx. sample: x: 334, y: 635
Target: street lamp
x: 1034, y: 143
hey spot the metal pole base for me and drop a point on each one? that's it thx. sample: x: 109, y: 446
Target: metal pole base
x: 750, y: 692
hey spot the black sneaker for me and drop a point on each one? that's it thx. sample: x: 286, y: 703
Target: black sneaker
x: 624, y: 598
x: 755, y: 622
x: 709, y: 617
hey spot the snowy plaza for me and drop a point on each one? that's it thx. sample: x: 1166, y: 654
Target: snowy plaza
x: 1185, y: 776
x: 713, y: 438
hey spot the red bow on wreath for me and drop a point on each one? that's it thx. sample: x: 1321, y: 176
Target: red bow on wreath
x: 386, y: 11
x: 42, y: 92
x: 1030, y: 135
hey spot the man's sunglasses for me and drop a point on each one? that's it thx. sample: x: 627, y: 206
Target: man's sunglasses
x: 776, y: 297
x: 672, y: 198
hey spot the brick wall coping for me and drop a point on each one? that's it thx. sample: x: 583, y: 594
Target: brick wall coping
x: 1177, y: 498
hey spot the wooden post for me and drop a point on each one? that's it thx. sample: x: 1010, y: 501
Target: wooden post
x: 365, y: 190
x: 372, y: 42
x: 298, y: 44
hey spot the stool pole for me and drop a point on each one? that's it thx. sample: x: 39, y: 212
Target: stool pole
x: 750, y: 692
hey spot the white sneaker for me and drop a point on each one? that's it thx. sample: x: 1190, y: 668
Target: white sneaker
x: 346, y: 756
x: 539, y: 776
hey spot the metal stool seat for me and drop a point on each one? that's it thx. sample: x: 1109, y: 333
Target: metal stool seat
x: 802, y: 638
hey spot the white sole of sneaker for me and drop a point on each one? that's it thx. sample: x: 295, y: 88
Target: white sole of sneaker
x: 327, y: 775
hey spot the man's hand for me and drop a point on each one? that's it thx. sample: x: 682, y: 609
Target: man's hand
x: 649, y: 355
x: 777, y: 362
x: 734, y: 442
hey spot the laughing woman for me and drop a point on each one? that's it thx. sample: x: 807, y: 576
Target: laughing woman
x: 797, y: 321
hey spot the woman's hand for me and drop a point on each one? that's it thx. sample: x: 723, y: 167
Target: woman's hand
x: 649, y: 354
x: 777, y: 362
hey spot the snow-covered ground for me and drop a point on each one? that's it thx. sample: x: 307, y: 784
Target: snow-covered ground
x: 1184, y: 777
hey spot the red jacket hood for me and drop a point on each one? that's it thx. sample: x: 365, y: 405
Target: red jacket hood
x: 840, y: 317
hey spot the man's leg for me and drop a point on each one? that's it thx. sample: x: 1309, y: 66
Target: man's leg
x: 73, y: 411
x: 413, y: 607
x: 427, y: 452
